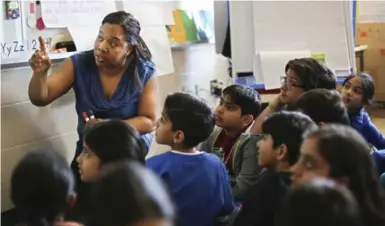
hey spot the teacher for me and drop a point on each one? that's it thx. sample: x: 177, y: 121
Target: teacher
x: 115, y: 80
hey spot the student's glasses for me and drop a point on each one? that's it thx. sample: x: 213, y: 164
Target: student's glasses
x: 289, y: 83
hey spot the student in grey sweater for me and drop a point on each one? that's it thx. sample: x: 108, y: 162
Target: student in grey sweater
x: 231, y: 140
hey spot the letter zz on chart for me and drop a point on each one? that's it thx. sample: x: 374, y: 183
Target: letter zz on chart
x: 15, y: 48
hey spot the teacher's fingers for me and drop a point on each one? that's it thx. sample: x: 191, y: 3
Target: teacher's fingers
x: 43, y: 49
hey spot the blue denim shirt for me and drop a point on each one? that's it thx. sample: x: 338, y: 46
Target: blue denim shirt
x: 362, y: 123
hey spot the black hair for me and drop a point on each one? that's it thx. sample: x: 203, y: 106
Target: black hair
x: 126, y: 193
x: 287, y: 128
x: 114, y: 140
x: 41, y: 185
x: 323, y: 105
x: 367, y: 85
x: 348, y: 155
x: 320, y: 202
x: 191, y: 115
x: 312, y: 73
x: 245, y: 97
x: 131, y: 28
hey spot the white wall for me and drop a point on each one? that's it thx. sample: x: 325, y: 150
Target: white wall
x: 25, y: 127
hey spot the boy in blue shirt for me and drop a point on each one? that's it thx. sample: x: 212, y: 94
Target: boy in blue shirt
x: 198, y: 181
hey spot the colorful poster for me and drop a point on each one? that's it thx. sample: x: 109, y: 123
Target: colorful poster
x: 184, y: 29
x: 12, y: 10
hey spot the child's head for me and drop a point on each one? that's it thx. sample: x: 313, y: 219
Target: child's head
x: 42, y: 186
x: 320, y: 202
x: 238, y: 108
x: 105, y: 142
x: 322, y: 106
x: 282, y: 138
x: 305, y: 74
x: 128, y: 194
x: 339, y: 152
x: 358, y: 91
x: 186, y: 121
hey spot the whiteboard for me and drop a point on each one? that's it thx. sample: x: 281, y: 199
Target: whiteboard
x: 315, y: 26
x: 19, y: 39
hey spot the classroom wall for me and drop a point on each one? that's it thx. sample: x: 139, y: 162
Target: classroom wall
x: 373, y: 35
x: 25, y: 127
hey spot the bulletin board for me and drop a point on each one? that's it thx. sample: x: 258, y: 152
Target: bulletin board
x: 64, y: 20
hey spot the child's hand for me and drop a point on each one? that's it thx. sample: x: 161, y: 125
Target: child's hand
x: 277, y: 102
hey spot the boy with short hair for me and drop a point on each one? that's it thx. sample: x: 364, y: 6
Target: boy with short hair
x: 302, y: 75
x: 323, y: 106
x: 279, y: 149
x: 230, y: 140
x: 198, y: 181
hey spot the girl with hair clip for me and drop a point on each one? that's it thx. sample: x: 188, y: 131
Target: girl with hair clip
x: 128, y: 194
x: 115, y: 80
x: 320, y: 202
x: 42, y: 188
x: 357, y: 93
x: 105, y: 142
x: 340, y: 153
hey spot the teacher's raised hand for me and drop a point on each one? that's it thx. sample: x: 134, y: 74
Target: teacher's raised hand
x: 40, y: 61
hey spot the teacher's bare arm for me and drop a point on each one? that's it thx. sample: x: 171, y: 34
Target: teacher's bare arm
x: 148, y: 107
x: 44, y: 89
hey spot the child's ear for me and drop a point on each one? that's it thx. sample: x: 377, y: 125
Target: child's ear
x: 178, y: 137
x: 247, y: 119
x: 282, y: 152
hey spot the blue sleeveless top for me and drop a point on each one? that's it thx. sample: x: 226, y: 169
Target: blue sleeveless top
x: 89, y: 93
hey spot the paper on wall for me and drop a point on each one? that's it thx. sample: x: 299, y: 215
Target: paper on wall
x: 151, y: 13
x: 272, y: 65
x: 157, y: 41
x: 80, y: 13
x: 84, y: 37
x: 371, y: 11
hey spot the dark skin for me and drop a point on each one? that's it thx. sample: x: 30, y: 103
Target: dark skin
x: 111, y: 54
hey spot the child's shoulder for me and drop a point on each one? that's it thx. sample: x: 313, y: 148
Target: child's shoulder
x: 212, y: 159
x: 158, y: 158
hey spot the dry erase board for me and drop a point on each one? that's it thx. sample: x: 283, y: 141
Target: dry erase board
x: 314, y: 26
x: 79, y: 21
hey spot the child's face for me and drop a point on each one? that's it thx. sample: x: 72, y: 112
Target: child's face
x: 229, y: 115
x: 292, y: 88
x: 310, y: 164
x: 89, y: 165
x: 164, y: 133
x: 267, y: 155
x: 352, y: 93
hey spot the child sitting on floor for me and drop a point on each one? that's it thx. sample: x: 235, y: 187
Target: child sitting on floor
x: 357, y: 93
x: 198, y: 181
x: 231, y: 140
